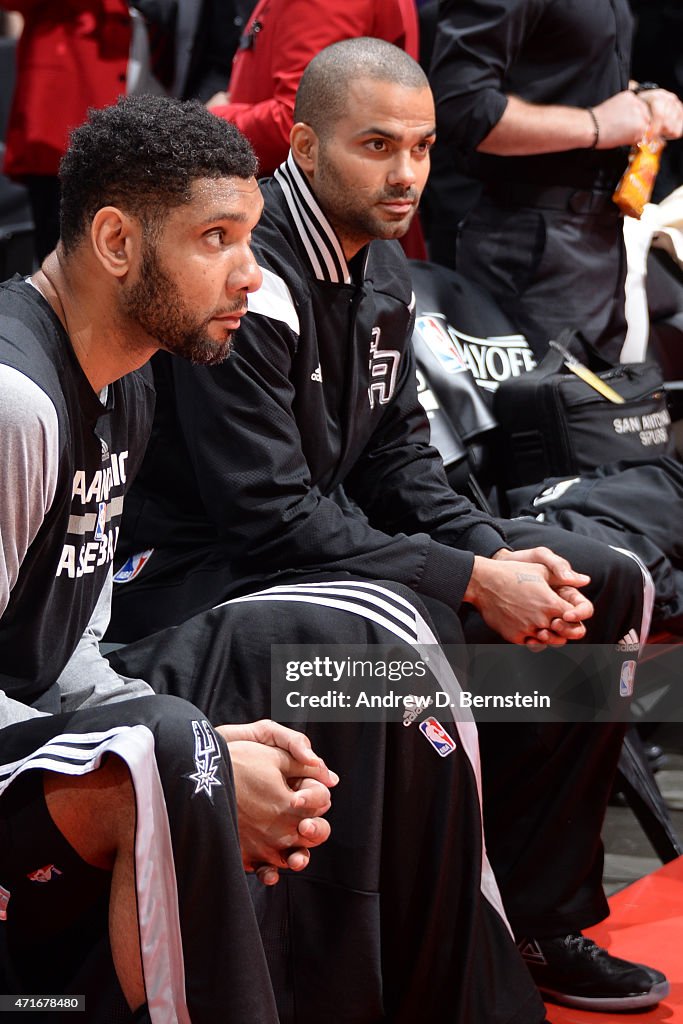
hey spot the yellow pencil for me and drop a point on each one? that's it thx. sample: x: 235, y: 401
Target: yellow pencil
x: 586, y: 375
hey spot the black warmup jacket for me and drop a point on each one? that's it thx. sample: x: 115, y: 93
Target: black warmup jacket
x: 307, y: 449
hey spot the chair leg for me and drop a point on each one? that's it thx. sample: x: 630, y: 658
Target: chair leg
x: 636, y: 781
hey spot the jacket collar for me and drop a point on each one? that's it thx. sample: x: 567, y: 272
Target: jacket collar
x: 320, y: 242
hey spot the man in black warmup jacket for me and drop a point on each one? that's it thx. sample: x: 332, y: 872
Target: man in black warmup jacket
x: 307, y: 452
x: 117, y: 811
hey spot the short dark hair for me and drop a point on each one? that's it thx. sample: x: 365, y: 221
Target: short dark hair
x: 143, y: 154
x: 321, y: 96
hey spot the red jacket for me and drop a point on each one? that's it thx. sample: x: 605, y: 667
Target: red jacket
x: 265, y: 76
x: 73, y: 54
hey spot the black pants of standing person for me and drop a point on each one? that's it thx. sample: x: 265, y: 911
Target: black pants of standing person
x: 552, y: 258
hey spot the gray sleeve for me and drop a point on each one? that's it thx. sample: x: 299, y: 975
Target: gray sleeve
x: 88, y: 680
x: 12, y: 711
x: 30, y: 465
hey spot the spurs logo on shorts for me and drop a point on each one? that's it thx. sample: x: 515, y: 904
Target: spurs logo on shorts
x: 207, y: 758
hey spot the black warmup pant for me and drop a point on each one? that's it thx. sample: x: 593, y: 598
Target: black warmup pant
x: 550, y: 268
x: 203, y: 959
x: 395, y: 919
x: 546, y: 785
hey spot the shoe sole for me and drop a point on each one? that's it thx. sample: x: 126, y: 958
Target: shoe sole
x: 634, y: 1002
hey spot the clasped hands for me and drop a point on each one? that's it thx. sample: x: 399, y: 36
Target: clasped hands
x: 530, y: 597
x: 282, y: 790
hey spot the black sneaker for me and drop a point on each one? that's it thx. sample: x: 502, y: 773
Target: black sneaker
x: 574, y: 971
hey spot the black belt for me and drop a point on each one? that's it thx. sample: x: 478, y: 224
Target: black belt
x: 553, y: 198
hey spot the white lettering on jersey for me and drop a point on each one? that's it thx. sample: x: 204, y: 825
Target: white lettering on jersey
x: 102, y: 481
x: 83, y: 560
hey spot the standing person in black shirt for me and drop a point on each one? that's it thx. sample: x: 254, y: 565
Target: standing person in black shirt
x: 537, y: 96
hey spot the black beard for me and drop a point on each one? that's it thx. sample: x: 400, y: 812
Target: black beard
x: 153, y: 304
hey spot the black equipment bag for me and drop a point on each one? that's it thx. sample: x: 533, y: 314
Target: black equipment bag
x: 553, y: 424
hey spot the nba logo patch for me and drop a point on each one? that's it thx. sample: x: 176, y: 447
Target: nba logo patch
x: 132, y: 566
x: 627, y: 678
x: 437, y: 736
x: 101, y: 520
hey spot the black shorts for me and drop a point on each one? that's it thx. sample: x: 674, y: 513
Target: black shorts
x: 201, y: 951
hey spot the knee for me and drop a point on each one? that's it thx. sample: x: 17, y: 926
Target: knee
x: 165, y: 715
x: 94, y: 812
x: 184, y: 740
x: 620, y: 571
x: 625, y: 587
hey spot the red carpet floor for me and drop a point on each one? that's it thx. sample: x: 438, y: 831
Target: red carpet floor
x: 645, y: 924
